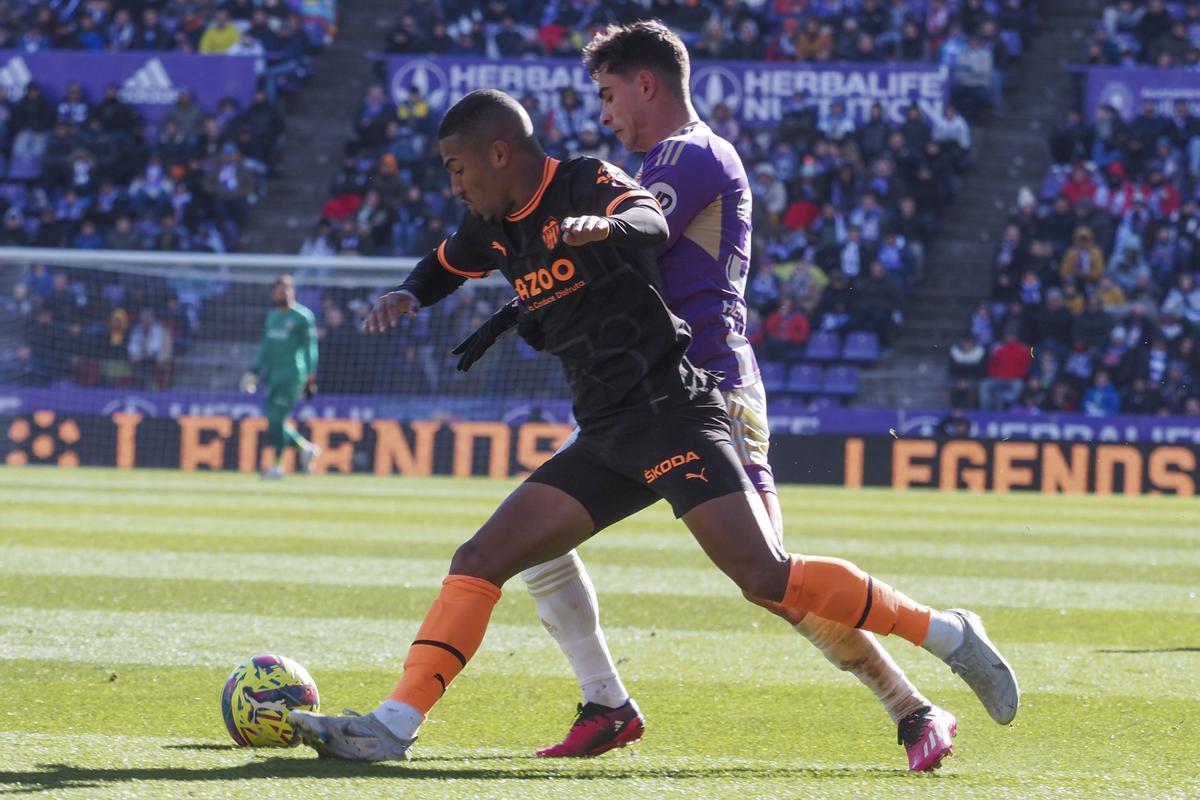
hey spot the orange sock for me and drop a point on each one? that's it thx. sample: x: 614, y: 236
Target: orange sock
x: 446, y: 641
x: 838, y: 590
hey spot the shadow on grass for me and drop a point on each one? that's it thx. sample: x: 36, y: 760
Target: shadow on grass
x: 1153, y: 650
x: 53, y: 777
x: 201, y: 747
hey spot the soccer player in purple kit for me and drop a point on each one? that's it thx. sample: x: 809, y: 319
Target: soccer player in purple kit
x: 641, y: 72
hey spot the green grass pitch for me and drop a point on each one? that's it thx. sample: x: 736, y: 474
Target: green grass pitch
x: 127, y: 597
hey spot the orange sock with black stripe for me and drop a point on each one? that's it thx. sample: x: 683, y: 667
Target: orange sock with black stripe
x: 838, y: 590
x: 446, y: 640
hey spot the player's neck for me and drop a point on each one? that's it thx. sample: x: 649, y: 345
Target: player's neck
x: 670, y: 121
x: 527, y: 181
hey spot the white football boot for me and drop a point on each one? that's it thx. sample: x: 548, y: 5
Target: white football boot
x: 980, y: 665
x: 352, y: 737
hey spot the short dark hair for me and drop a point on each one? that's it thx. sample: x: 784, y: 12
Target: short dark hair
x: 488, y: 115
x: 649, y: 44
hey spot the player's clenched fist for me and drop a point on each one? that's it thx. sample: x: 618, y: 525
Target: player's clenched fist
x: 388, y: 310
x: 578, y: 231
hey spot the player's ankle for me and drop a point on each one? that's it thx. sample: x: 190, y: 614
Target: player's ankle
x: 945, y: 634
x: 610, y: 693
x: 400, y: 718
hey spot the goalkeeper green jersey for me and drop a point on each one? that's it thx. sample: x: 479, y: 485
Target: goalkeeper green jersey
x: 289, y: 345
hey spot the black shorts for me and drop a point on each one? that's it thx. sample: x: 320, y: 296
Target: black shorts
x: 683, y: 455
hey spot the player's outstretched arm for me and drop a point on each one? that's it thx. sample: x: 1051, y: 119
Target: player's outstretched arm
x: 641, y: 224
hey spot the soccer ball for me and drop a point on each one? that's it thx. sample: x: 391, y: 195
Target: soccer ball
x: 258, y: 696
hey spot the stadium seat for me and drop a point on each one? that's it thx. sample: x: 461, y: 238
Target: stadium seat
x: 25, y: 167
x: 804, y: 379
x: 774, y: 376
x: 841, y: 380
x: 786, y: 405
x: 861, y: 347
x: 823, y: 346
x: 15, y: 194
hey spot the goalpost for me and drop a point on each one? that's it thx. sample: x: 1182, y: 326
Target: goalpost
x: 132, y: 359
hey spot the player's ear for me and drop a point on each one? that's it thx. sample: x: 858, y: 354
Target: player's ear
x: 646, y: 83
x: 499, y: 153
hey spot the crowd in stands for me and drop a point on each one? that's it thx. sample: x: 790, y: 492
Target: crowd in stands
x: 91, y: 172
x: 1148, y: 33
x: 1095, y: 306
x: 92, y: 329
x: 976, y: 36
x: 276, y: 31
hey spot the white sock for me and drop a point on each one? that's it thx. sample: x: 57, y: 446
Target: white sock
x: 945, y: 634
x: 400, y: 718
x: 860, y: 653
x: 566, y: 602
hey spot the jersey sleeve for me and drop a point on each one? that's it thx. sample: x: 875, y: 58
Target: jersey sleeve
x: 309, y: 343
x: 601, y: 189
x: 465, y: 252
x: 261, y: 357
x: 683, y: 178
x: 460, y: 256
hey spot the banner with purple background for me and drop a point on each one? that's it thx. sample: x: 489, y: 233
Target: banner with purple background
x: 786, y: 417
x: 1125, y: 89
x: 150, y: 81
x: 757, y: 93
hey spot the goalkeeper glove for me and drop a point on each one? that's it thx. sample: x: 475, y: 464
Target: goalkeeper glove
x: 249, y: 382
x: 310, y: 387
x: 474, y: 346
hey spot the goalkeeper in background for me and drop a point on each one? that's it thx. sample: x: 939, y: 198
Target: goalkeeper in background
x: 287, y: 357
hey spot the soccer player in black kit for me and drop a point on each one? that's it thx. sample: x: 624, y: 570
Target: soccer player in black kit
x: 575, y: 239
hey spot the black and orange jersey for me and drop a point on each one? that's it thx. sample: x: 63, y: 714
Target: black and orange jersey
x: 598, y: 307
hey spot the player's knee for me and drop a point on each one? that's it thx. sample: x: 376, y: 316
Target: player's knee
x: 470, y: 559
x: 765, y: 582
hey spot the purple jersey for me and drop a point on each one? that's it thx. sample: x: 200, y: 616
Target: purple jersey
x: 702, y: 187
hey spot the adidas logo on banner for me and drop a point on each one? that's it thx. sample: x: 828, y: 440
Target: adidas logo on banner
x: 149, y: 85
x: 14, y: 77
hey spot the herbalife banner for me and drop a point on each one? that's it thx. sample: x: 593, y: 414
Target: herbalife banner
x: 150, y: 81
x: 758, y: 93
x: 1126, y: 89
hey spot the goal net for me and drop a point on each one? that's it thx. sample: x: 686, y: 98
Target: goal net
x: 133, y: 359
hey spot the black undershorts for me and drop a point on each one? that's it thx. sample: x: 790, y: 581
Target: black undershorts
x: 683, y: 455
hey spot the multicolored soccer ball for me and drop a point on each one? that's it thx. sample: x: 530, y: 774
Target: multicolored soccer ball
x: 258, y: 696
